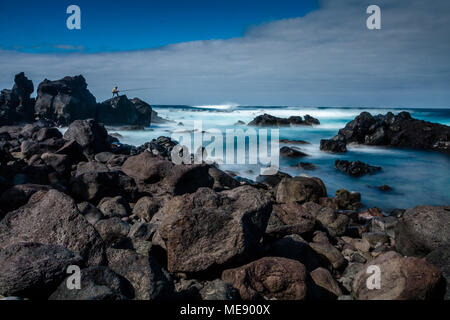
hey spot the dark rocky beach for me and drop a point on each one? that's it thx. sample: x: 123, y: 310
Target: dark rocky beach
x: 141, y: 227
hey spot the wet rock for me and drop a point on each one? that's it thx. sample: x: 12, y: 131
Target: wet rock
x: 423, y: 229
x: 402, y: 278
x: 355, y: 168
x: 289, y: 152
x: 33, y: 270
x: 269, y: 278
x: 267, y: 120
x: 53, y: 218
x: 208, y: 229
x: 97, y: 283
x: 149, y: 280
x: 333, y: 145
x: 305, y: 166
x: 300, y: 189
x: 399, y: 130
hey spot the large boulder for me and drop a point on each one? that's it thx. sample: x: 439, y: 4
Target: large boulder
x: 89, y: 134
x: 122, y: 111
x: 93, y: 186
x: 65, y: 100
x: 399, y: 130
x: 97, y: 283
x: 269, y: 278
x: 289, y: 218
x: 16, y: 106
x: 149, y: 280
x: 300, y: 189
x: 53, y: 218
x: 440, y: 258
x: 206, y: 229
x: 402, y: 278
x: 423, y: 229
x: 33, y: 270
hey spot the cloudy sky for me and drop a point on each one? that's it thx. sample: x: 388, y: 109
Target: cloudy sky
x: 313, y: 53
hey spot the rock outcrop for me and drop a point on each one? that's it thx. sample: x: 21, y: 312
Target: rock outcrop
x: 16, y: 106
x: 267, y: 120
x: 391, y: 130
x: 122, y: 111
x: 65, y: 100
x: 355, y: 168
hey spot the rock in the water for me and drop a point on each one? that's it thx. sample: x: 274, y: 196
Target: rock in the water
x: 208, y: 229
x: 300, y: 189
x: 53, y: 218
x: 402, y: 278
x: 355, y: 168
x: 397, y: 131
x: 289, y: 152
x: 97, y: 283
x: 267, y: 120
x: 423, y: 229
x: 89, y: 134
x: 33, y: 270
x: 269, y: 278
x: 65, y: 100
x: 333, y: 145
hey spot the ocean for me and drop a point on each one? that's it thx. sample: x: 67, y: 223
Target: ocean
x: 417, y: 177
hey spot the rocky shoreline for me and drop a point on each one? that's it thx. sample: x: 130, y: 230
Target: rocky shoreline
x: 140, y: 227
x: 143, y: 228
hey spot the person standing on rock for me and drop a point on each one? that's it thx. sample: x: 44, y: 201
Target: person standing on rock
x: 115, y: 91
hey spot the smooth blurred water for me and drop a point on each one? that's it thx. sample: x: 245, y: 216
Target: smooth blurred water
x: 417, y: 177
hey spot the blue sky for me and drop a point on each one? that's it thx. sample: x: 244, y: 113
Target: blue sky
x: 117, y: 25
x: 246, y: 52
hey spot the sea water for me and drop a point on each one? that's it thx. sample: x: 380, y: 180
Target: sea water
x: 417, y: 177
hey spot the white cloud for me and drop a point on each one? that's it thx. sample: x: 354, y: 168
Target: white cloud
x: 327, y: 58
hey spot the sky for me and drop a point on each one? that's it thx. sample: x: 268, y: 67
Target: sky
x: 246, y: 52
